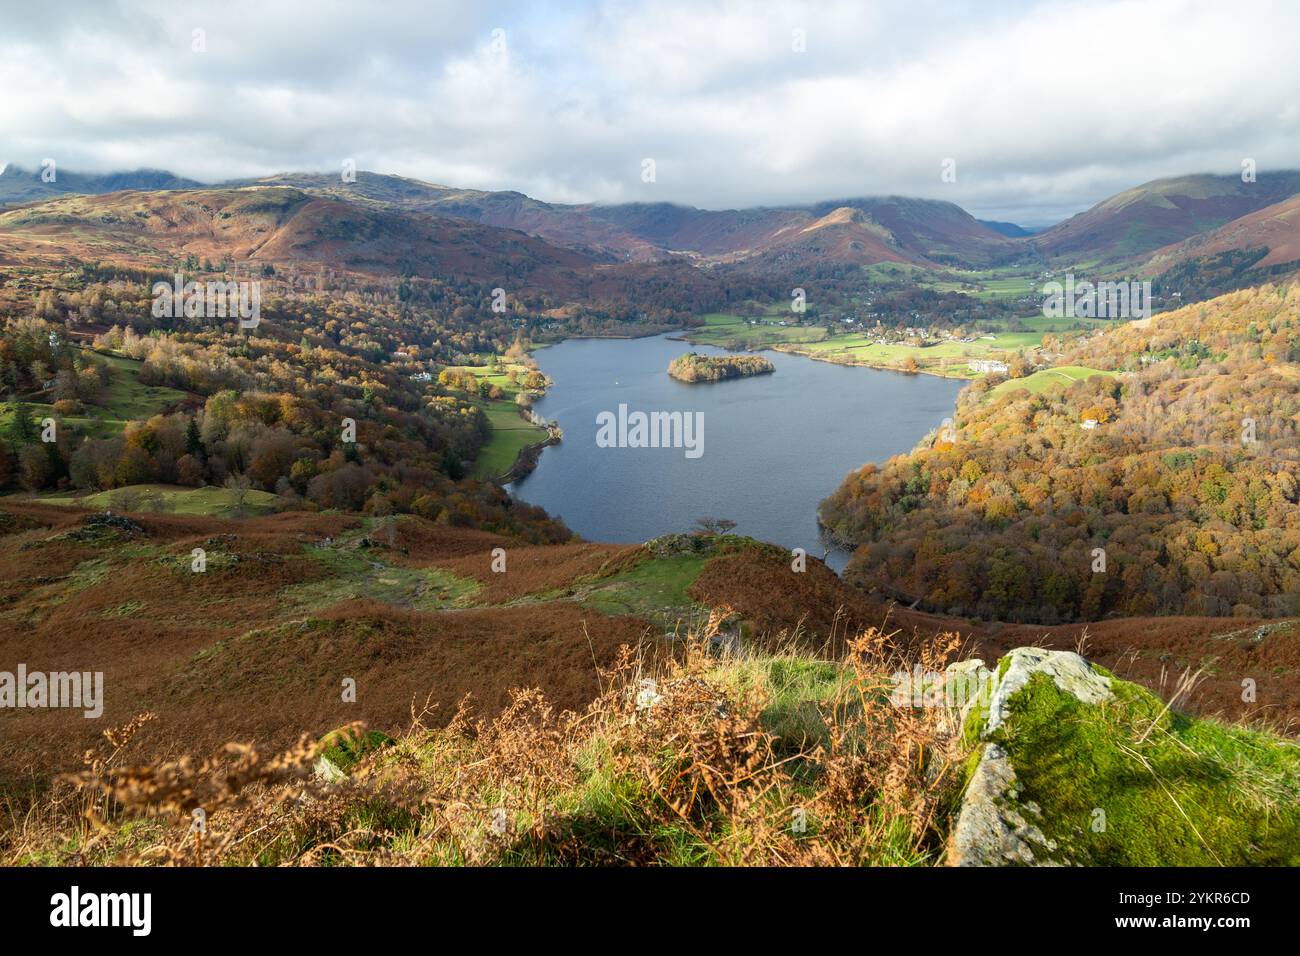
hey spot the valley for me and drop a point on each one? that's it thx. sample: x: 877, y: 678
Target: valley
x: 395, y: 481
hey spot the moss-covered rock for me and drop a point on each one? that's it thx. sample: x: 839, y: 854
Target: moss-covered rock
x: 342, y: 748
x: 1076, y: 767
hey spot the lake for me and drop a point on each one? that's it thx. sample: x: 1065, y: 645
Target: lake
x: 771, y: 446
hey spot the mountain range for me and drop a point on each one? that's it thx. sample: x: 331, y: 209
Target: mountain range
x: 385, y: 223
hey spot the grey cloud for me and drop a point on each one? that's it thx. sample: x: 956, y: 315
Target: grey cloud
x: 1045, y: 107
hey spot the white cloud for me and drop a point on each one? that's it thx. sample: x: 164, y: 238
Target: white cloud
x: 1046, y: 107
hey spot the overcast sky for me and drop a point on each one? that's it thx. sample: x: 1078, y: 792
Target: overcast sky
x: 1044, y: 107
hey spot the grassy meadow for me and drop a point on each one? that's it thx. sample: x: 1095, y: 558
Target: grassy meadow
x: 174, y: 499
x: 511, y: 433
x: 1048, y: 378
x: 125, y: 399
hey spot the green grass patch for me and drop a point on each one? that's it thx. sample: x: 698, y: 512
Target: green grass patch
x: 655, y: 588
x: 173, y: 499
x: 354, y: 573
x: 511, y: 434
x: 125, y: 399
x: 1049, y: 378
x: 730, y: 331
x: 948, y: 357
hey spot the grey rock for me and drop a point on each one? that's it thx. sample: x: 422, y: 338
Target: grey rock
x: 992, y: 829
x: 327, y: 771
x: 995, y: 827
x: 1070, y: 672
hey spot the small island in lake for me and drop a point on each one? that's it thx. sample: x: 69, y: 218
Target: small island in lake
x: 693, y: 367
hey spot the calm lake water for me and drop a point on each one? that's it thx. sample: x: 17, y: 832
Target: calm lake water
x: 773, y: 446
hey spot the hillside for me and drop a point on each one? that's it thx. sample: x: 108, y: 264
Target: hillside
x: 1145, y: 218
x: 887, y: 229
x: 1008, y: 229
x: 1163, y: 221
x: 1273, y: 230
x: 568, y: 226
x: 243, y: 524
x: 1180, y: 497
x: 688, y: 741
x: 18, y: 185
x: 862, y: 230
x: 287, y: 605
x: 274, y: 225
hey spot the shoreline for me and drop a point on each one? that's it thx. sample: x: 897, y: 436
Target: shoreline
x: 526, y: 461
x: 792, y: 348
x: 789, y: 350
x: 526, y: 458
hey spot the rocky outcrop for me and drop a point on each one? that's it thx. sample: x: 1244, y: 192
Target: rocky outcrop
x: 1068, y: 671
x: 996, y: 827
x: 1071, y: 766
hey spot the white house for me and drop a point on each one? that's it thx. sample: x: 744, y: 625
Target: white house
x: 987, y: 365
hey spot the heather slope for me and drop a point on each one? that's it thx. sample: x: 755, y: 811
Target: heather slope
x: 274, y: 225
x: 1163, y: 211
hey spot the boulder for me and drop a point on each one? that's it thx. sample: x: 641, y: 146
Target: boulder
x: 995, y: 827
x: 1072, y: 766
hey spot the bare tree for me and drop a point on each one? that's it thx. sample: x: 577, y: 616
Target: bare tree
x: 126, y: 499
x: 708, y: 525
x: 239, y: 486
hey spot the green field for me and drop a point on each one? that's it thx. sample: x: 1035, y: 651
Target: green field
x: 175, y: 499
x: 1010, y: 282
x: 950, y: 359
x: 726, y: 330
x: 1049, y: 378
x: 495, y: 373
x: 511, y: 433
x: 655, y: 588
x: 947, y: 358
x: 983, y: 285
x: 125, y: 399
x: 1042, y: 323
